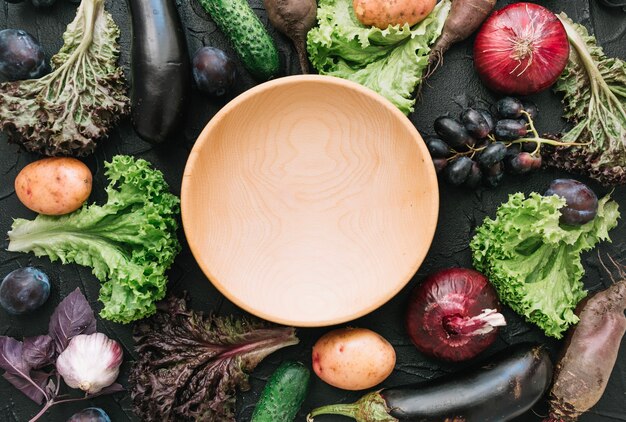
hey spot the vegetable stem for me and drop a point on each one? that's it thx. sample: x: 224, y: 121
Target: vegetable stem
x: 370, y: 408
x: 349, y: 410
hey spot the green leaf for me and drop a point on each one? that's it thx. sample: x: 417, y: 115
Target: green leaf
x: 129, y: 242
x: 594, y: 95
x: 390, y: 61
x: 66, y: 111
x: 534, y: 262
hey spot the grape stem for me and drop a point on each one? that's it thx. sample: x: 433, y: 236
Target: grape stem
x: 535, y: 138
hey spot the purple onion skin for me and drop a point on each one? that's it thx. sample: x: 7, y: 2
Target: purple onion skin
x: 445, y: 295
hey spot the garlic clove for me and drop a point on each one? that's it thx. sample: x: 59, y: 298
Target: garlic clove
x: 90, y: 362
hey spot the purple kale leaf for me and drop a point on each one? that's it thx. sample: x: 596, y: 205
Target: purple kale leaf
x: 19, y: 373
x: 72, y: 317
x: 190, y: 365
x: 38, y: 351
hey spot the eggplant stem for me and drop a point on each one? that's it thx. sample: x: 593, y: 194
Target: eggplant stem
x: 349, y: 410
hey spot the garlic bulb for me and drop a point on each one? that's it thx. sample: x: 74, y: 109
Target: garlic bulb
x: 90, y: 362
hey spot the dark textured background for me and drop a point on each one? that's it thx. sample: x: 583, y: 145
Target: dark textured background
x: 461, y: 211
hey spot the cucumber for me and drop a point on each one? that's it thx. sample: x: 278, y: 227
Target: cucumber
x: 283, y: 394
x: 250, y: 39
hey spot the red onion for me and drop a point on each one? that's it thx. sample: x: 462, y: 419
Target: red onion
x: 521, y: 49
x: 453, y: 315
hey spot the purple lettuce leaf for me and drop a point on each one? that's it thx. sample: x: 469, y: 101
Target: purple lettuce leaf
x: 72, y: 317
x: 38, y: 351
x: 190, y: 366
x: 18, y: 372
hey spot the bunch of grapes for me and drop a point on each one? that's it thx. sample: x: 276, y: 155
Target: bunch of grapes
x: 479, y: 147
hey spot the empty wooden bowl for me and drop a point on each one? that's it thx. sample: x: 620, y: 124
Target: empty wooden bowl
x: 309, y: 200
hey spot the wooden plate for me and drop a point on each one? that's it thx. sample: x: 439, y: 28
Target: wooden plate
x: 309, y: 200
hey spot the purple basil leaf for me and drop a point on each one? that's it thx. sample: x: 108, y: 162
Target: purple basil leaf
x: 111, y: 389
x: 11, y: 357
x: 18, y: 371
x: 25, y: 385
x: 38, y: 351
x: 72, y: 317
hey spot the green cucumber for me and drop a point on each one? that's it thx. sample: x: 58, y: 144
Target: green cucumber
x: 283, y: 394
x: 250, y: 39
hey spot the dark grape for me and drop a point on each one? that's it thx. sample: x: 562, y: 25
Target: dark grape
x: 213, y: 71
x: 458, y: 170
x: 537, y: 161
x: 494, y: 175
x: 21, y: 56
x: 24, y: 290
x: 530, y: 108
x: 91, y: 414
x: 529, y: 146
x: 475, y: 123
x: 474, y: 177
x: 509, y: 108
x: 581, y: 202
x: 453, y: 132
x: 440, y: 164
x: 510, y: 130
x: 43, y: 3
x: 491, y: 121
x: 520, y: 163
x: 492, y: 154
x: 437, y: 147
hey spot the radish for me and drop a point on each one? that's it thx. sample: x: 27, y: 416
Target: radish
x: 588, y: 359
x: 453, y: 314
x: 465, y: 17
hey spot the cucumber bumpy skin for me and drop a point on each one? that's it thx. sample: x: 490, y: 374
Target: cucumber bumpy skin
x: 250, y: 39
x: 283, y: 394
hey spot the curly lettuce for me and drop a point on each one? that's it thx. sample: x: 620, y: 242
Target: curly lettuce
x: 594, y: 94
x: 390, y: 62
x: 68, y: 110
x: 534, y: 262
x: 129, y: 242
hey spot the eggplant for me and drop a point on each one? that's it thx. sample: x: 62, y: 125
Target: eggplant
x: 161, y: 70
x: 510, y: 384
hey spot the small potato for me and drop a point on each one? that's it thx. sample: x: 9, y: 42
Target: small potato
x: 54, y: 186
x: 353, y: 358
x: 382, y: 13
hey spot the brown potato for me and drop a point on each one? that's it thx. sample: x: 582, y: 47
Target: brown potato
x: 382, y: 13
x: 54, y: 186
x: 353, y: 358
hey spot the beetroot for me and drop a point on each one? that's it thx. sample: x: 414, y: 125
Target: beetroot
x: 590, y: 353
x: 453, y: 314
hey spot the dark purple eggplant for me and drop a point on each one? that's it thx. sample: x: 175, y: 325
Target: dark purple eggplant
x: 161, y: 71
x: 509, y: 385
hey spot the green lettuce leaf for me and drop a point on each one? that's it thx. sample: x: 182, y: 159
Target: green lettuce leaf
x: 68, y: 110
x: 594, y: 95
x: 534, y: 262
x: 390, y: 62
x: 129, y: 242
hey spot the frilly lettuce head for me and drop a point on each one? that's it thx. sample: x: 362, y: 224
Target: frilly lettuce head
x: 534, y: 262
x: 390, y: 62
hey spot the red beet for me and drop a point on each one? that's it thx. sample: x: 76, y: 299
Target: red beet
x: 453, y: 314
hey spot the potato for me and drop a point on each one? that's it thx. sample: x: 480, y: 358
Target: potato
x: 54, y: 186
x: 353, y: 358
x: 382, y: 13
